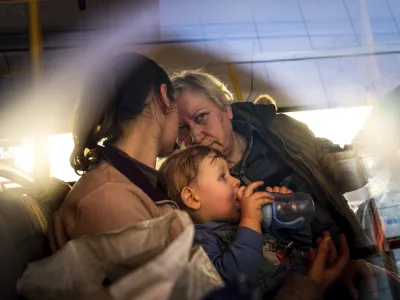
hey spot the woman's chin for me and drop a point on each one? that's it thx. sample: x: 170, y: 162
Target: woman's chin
x: 218, y: 147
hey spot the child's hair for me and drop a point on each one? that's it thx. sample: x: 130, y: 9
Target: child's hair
x: 181, y: 169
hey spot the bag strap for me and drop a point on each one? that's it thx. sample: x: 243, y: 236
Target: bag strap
x: 127, y: 166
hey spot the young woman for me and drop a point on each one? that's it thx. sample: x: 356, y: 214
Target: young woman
x: 118, y: 188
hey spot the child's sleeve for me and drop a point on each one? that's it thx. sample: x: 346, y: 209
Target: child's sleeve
x: 242, y: 256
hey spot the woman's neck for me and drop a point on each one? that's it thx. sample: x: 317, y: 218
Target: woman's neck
x: 142, y: 143
x: 239, y: 145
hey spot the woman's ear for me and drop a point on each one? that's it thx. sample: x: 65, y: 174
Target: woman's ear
x: 189, y: 199
x: 164, y: 96
x: 229, y: 112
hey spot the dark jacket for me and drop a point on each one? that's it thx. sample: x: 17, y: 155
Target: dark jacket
x: 296, y: 144
x: 232, y: 249
x: 237, y: 251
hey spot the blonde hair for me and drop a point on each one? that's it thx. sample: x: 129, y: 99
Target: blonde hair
x: 205, y: 83
x: 181, y: 169
x: 265, y: 99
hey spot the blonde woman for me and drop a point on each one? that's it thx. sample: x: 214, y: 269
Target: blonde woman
x: 261, y: 145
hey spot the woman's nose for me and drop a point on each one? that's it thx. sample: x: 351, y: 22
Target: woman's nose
x: 196, y: 137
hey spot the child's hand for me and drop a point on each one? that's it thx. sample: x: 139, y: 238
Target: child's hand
x: 279, y: 189
x: 251, y: 204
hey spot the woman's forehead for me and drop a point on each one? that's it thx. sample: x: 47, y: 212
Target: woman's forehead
x: 191, y: 102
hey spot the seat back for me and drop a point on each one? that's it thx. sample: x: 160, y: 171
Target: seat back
x: 24, y: 216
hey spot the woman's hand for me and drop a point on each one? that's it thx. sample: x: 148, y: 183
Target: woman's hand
x: 278, y: 189
x: 325, y: 265
x: 352, y: 269
x: 251, y: 204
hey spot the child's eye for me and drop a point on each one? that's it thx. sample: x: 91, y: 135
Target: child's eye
x: 223, y: 176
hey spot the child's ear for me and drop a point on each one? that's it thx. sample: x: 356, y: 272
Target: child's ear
x: 189, y: 199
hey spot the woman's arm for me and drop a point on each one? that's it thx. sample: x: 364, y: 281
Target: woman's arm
x: 111, y: 207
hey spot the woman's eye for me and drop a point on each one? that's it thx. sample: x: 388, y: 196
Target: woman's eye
x: 201, y: 118
x: 183, y: 126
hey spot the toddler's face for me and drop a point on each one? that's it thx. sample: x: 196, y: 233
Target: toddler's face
x: 217, y: 191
